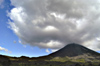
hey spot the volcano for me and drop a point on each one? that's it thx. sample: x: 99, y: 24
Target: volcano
x: 72, y: 50
x: 67, y: 56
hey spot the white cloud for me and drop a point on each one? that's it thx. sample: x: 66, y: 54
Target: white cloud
x: 52, y: 44
x: 20, y: 41
x: 47, y: 51
x: 3, y: 49
x: 55, y: 23
x: 50, y: 28
x: 54, y: 50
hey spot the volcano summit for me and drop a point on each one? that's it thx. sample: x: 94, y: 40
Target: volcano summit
x: 73, y: 49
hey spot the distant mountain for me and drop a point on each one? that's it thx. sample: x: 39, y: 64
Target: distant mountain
x: 70, y: 55
x: 72, y: 50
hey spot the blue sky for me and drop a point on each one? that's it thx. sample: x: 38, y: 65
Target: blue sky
x: 41, y: 38
x: 8, y: 37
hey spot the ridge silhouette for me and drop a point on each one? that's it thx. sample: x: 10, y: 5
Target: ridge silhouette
x: 72, y: 50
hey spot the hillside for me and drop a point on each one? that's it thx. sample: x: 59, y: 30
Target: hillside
x: 71, y: 54
x: 72, y: 50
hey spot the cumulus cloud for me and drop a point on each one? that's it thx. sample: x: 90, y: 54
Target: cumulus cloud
x: 47, y: 51
x: 3, y: 49
x: 20, y: 41
x: 54, y: 50
x: 55, y: 23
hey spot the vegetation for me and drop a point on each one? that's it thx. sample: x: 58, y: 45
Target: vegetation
x: 74, y: 58
x: 52, y: 61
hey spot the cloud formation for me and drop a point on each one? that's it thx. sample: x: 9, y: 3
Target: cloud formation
x: 55, y: 23
x: 3, y: 49
x: 47, y: 51
x: 1, y: 5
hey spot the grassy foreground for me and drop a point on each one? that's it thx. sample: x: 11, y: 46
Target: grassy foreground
x: 57, y: 61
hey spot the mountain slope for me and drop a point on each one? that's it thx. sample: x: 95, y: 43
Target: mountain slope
x: 72, y: 50
x: 67, y: 56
